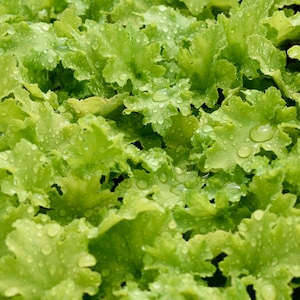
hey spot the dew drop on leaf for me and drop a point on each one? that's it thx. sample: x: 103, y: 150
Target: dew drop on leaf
x: 161, y: 95
x: 122, y: 76
x: 95, y: 45
x: 261, y: 133
x: 162, y: 8
x: 274, y: 261
x: 258, y: 215
x: 243, y: 227
x: 160, y: 120
x: 148, y: 260
x: 47, y: 250
x: 162, y: 177
x: 178, y: 170
x: 86, y: 261
x: 253, y: 242
x: 11, y: 291
x: 207, y: 129
x: 184, y: 249
x: 172, y: 225
x: 244, y: 152
x: 268, y: 292
x: 62, y: 212
x: 53, y: 229
x: 105, y: 272
x: 29, y: 259
x: 142, y: 184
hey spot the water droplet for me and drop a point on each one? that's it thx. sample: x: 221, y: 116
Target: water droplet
x: 88, y: 213
x: 44, y: 218
x: 39, y: 233
x: 253, y: 242
x: 178, y: 170
x: 243, y: 227
x: 47, y: 249
x: 95, y: 45
x: 160, y: 120
x: 53, y: 229
x: 261, y: 133
x: 184, y: 249
x: 244, y: 152
x: 86, y: 261
x: 207, y: 129
x: 29, y: 259
x: 162, y: 177
x: 172, y: 224
x: 268, y: 292
x: 30, y: 210
x: 62, y: 212
x: 11, y: 30
x: 179, y: 100
x: 50, y: 59
x: 258, y: 215
x: 105, y: 272
x: 142, y: 184
x: 11, y: 291
x: 162, y: 8
x: 148, y: 260
x: 161, y: 95
x: 123, y: 77
x: 274, y: 261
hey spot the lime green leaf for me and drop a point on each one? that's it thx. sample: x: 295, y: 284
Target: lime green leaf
x: 171, y: 29
x: 9, y: 73
x: 132, y: 205
x: 209, y: 43
x: 95, y: 149
x: 294, y: 52
x: 122, y: 247
x: 286, y: 28
x: 265, y: 233
x: 68, y: 22
x: 242, y: 129
x: 136, y: 62
x: 97, y: 105
x: 244, y: 21
x: 8, y: 215
x: 266, y: 190
x: 35, y: 37
x: 31, y: 173
x: 48, y: 257
x: 183, y: 286
x: 159, y: 102
x: 175, y: 255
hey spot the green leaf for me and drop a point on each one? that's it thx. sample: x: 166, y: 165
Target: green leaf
x: 9, y: 73
x: 244, y: 21
x: 95, y: 149
x: 8, y: 215
x: 136, y: 62
x: 209, y: 43
x: 48, y: 261
x: 175, y: 255
x: 159, y: 102
x: 31, y: 173
x: 241, y: 129
x: 121, y: 248
x: 265, y: 252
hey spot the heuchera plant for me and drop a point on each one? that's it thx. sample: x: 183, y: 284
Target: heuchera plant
x: 149, y: 149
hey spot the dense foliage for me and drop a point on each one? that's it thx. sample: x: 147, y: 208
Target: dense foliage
x: 149, y: 149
